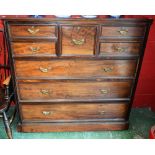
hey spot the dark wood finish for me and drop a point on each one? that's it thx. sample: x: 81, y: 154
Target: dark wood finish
x: 140, y: 64
x: 73, y: 111
x: 32, y: 31
x: 69, y: 127
x: 122, y: 31
x: 7, y: 125
x: 78, y: 40
x: 74, y: 90
x: 33, y: 48
x: 75, y: 68
x: 94, y: 62
x: 120, y: 49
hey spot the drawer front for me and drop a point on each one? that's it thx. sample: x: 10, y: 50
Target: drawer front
x: 73, y: 111
x: 74, y: 90
x: 78, y: 40
x: 37, y: 48
x: 120, y: 49
x: 32, y: 31
x: 122, y: 31
x: 75, y: 68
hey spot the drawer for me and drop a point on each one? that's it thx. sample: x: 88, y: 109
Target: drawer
x: 75, y: 68
x: 33, y: 31
x: 120, y: 49
x: 74, y: 90
x: 73, y: 111
x: 78, y: 40
x: 33, y: 48
x: 110, y: 31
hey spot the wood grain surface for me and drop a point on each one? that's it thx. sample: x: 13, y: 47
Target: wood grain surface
x: 70, y: 127
x: 73, y: 111
x: 32, y: 31
x: 75, y: 68
x: 74, y: 90
x: 78, y: 40
x: 114, y: 31
x: 33, y: 48
x: 120, y: 49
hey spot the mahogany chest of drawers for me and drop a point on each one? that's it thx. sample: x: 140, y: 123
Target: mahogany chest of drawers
x: 75, y: 74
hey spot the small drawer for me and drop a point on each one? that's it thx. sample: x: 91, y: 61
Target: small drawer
x: 111, y: 31
x: 74, y: 90
x: 32, y: 31
x: 78, y: 40
x: 120, y: 49
x: 34, y: 48
x: 73, y: 111
x: 67, y: 69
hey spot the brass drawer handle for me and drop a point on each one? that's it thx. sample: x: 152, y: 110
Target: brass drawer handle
x: 34, y: 49
x: 123, y: 32
x: 44, y: 91
x: 102, y: 112
x: 78, y: 28
x: 78, y: 42
x: 120, y: 49
x: 108, y: 69
x: 47, y: 113
x: 104, y: 91
x: 44, y: 70
x: 33, y: 30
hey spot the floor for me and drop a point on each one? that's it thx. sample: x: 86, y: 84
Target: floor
x: 141, y: 119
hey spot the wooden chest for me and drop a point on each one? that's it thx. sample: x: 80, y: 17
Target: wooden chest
x: 75, y: 74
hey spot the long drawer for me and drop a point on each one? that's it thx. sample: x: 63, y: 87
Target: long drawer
x: 73, y: 111
x: 71, y: 89
x: 75, y: 68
